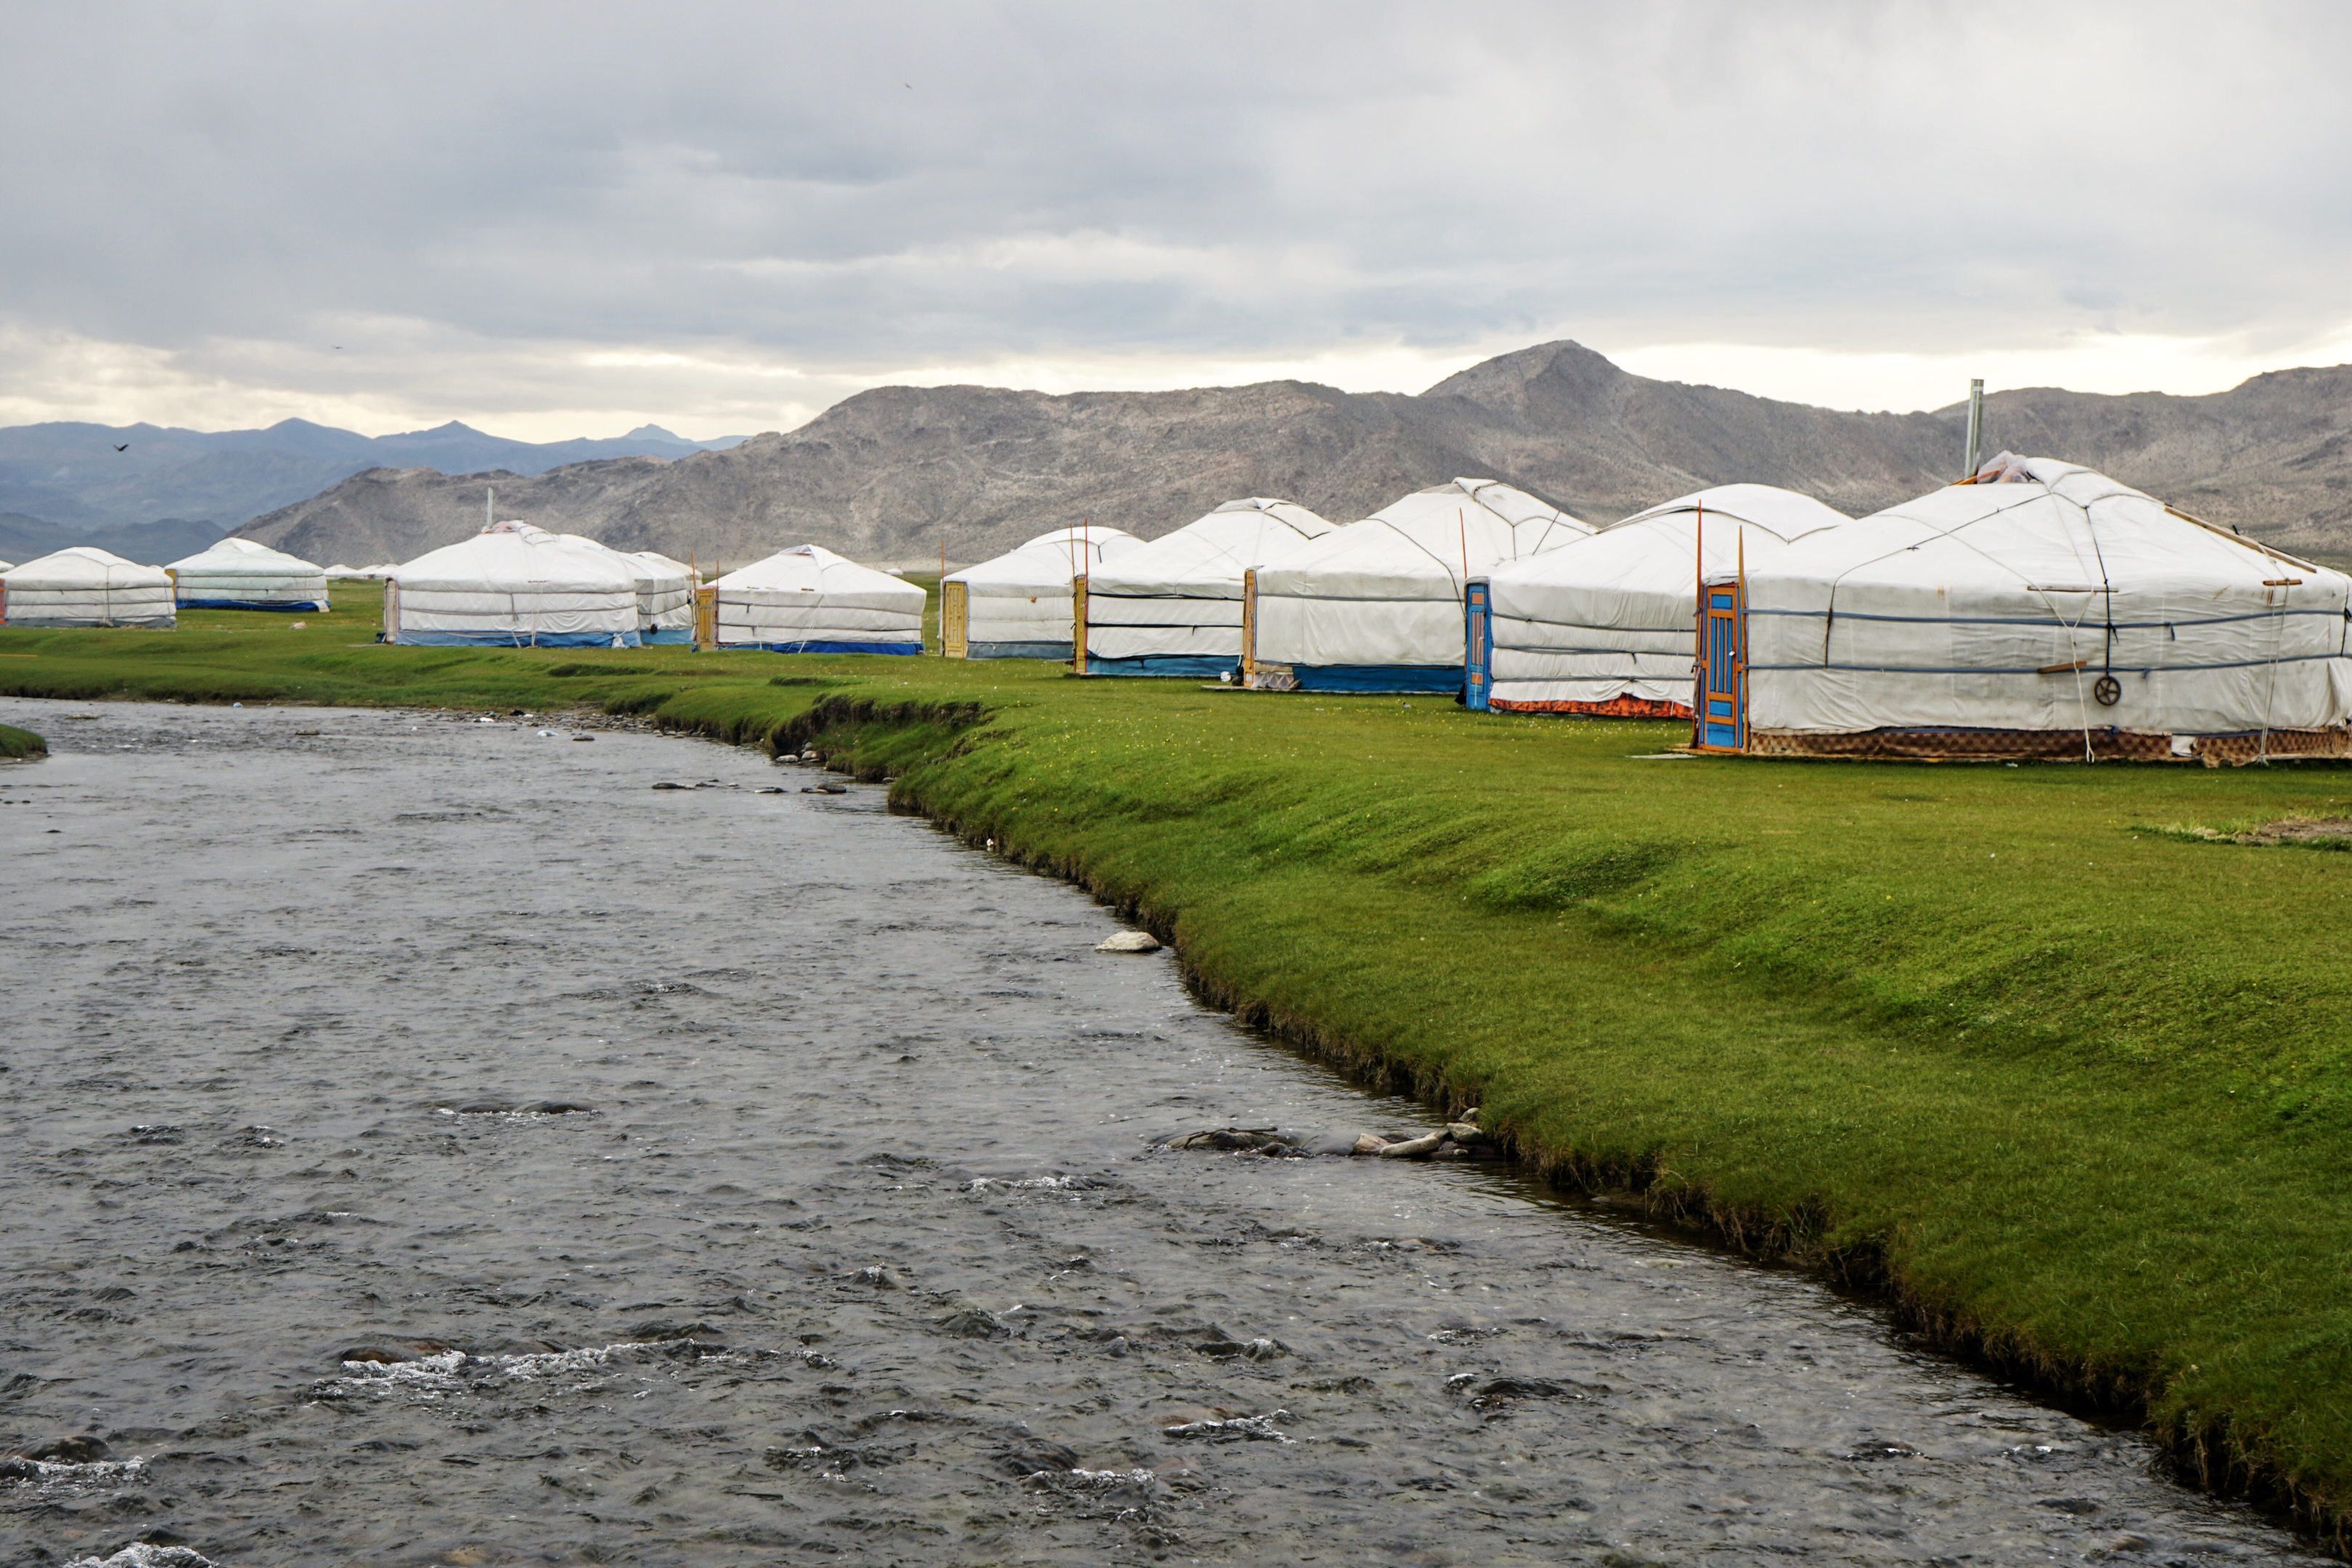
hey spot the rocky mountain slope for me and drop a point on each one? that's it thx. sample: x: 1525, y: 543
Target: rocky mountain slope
x: 892, y: 474
x: 176, y: 490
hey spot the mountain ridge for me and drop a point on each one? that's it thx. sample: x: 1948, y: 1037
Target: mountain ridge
x: 893, y: 473
x: 65, y: 482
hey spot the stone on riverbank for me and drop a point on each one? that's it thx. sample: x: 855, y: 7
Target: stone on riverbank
x: 1130, y: 942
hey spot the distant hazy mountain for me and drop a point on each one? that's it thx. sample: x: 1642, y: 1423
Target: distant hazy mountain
x: 890, y: 474
x: 69, y: 478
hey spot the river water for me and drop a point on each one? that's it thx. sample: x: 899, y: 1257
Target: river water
x: 860, y: 1250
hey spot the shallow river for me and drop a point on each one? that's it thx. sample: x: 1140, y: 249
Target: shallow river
x: 861, y: 1251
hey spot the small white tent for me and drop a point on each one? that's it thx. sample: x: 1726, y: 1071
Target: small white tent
x: 513, y: 586
x: 1019, y: 604
x: 1377, y: 605
x: 2043, y: 610
x: 665, y: 589
x: 239, y: 574
x: 806, y: 599
x: 668, y: 610
x: 1174, y: 606
x: 1604, y: 626
x: 85, y: 586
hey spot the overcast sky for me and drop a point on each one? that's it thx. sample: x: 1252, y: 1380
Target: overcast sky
x: 553, y: 220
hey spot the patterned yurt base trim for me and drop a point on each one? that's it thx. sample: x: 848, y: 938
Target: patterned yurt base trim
x: 2049, y: 746
x: 1615, y: 708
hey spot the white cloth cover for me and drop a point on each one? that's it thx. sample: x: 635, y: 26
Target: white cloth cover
x: 668, y: 608
x: 664, y: 587
x: 516, y: 585
x: 1612, y: 618
x: 85, y: 586
x: 1179, y: 596
x: 1970, y: 607
x: 808, y: 599
x: 1020, y: 602
x: 1388, y: 591
x: 239, y: 572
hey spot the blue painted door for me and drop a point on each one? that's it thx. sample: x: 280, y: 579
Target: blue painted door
x: 1722, y: 669
x: 1479, y: 646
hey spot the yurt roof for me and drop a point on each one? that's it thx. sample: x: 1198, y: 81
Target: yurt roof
x: 506, y: 555
x: 812, y: 569
x: 2051, y: 528
x: 657, y: 558
x: 1050, y: 561
x: 246, y: 558
x: 1662, y: 543
x: 1786, y: 514
x: 1213, y: 550
x: 650, y: 572
x: 82, y: 565
x: 1429, y: 535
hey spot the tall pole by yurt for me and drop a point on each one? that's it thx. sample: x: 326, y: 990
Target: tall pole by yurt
x: 1976, y: 426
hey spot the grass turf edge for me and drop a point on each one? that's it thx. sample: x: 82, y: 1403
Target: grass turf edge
x: 17, y: 745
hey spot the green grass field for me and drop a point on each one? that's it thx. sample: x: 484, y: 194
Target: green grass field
x: 2017, y: 1045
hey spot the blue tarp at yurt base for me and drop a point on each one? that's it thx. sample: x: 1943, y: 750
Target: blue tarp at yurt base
x: 1173, y: 607
x: 1604, y: 627
x: 513, y: 586
x: 806, y: 599
x: 1020, y: 605
x: 2043, y: 610
x: 1378, y: 605
x: 239, y: 574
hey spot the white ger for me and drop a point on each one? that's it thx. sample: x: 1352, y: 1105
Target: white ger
x: 85, y: 586
x: 1173, y: 607
x: 1378, y: 605
x: 2040, y: 609
x: 240, y: 575
x: 806, y: 599
x: 1018, y: 606
x: 1603, y: 626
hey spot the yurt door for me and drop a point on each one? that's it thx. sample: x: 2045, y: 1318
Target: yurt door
x: 955, y: 620
x: 1722, y: 669
x: 1479, y: 646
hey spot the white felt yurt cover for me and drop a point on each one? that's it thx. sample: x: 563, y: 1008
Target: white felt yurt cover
x: 1377, y: 605
x: 513, y: 586
x: 1018, y: 606
x: 85, y: 586
x: 240, y: 575
x: 665, y: 613
x: 806, y: 599
x: 1606, y: 625
x: 665, y: 591
x: 1174, y: 606
x: 2043, y: 599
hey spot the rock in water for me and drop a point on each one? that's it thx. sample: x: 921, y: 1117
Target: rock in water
x: 1130, y: 942
x: 1412, y: 1148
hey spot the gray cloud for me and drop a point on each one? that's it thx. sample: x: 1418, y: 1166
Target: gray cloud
x: 852, y: 192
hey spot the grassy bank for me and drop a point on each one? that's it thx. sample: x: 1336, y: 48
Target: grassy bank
x: 2018, y: 1044
x: 18, y: 744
